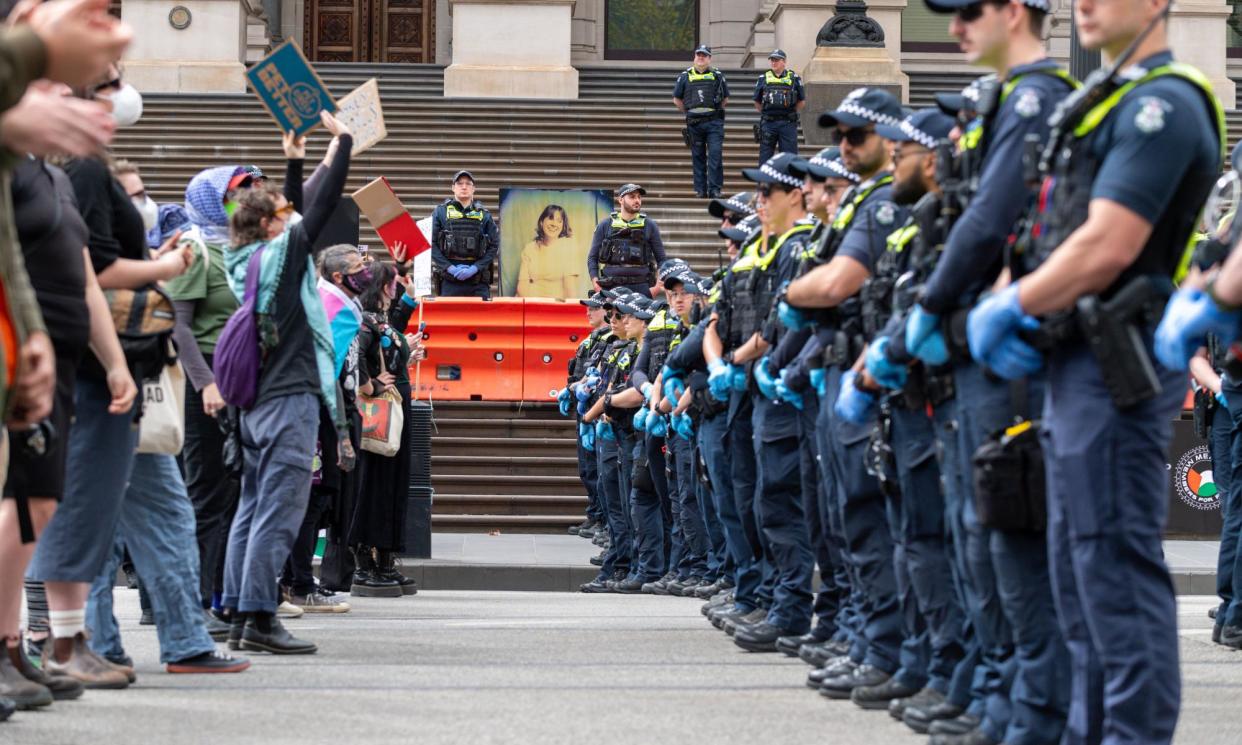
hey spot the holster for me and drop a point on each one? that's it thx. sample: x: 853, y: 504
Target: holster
x: 938, y: 383
x: 757, y: 131
x: 640, y: 475
x: 953, y: 328
x: 914, y: 392
x: 1009, y: 479
x: 1205, y: 409
x: 1114, y: 332
x: 686, y: 137
x: 880, y: 460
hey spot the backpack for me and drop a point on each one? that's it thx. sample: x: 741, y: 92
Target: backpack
x: 238, y: 357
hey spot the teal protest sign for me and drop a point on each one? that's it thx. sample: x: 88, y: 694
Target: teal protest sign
x: 288, y: 86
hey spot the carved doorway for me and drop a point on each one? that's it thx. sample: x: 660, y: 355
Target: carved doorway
x: 370, y: 30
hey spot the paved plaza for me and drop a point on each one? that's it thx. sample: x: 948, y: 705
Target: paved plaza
x: 509, y: 667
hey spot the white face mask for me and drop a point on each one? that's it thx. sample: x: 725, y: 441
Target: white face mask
x: 126, y: 105
x: 149, y: 210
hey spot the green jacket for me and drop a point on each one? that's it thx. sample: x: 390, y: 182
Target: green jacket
x: 23, y: 59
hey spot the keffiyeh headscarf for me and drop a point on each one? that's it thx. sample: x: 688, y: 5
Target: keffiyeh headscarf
x: 204, y: 202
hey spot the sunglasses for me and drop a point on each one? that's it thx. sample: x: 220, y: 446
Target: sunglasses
x: 855, y: 137
x: 974, y: 11
x: 284, y: 212
x: 765, y: 190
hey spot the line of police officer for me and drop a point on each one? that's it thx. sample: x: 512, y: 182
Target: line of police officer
x: 929, y: 373
x: 701, y: 92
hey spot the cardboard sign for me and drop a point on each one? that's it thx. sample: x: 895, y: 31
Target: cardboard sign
x: 422, y: 263
x: 388, y: 216
x: 290, y: 89
x: 362, y: 113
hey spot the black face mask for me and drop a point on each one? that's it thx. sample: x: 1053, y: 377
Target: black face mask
x: 357, y: 282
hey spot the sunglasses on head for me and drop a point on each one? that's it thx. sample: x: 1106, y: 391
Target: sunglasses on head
x: 855, y: 136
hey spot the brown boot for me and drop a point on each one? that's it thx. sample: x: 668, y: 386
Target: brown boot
x: 82, y: 664
x: 14, y: 686
x: 63, y: 687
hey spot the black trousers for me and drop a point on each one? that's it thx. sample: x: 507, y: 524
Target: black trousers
x: 213, y: 490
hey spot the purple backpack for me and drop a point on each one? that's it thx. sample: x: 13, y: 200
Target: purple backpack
x: 238, y: 355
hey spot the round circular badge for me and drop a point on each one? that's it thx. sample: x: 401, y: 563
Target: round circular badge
x: 179, y: 17
x: 1193, y: 480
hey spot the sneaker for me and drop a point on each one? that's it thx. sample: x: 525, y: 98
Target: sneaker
x: 288, y: 610
x: 209, y: 662
x: 316, y: 603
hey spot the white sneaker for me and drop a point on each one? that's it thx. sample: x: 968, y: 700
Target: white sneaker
x: 317, y: 603
x: 288, y: 610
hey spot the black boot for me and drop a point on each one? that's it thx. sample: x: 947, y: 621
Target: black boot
x: 388, y: 570
x: 367, y: 582
x: 237, y: 624
x: 265, y: 633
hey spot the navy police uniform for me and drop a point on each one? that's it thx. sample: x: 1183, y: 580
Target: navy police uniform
x: 778, y: 97
x: 463, y: 236
x: 703, y: 95
x: 625, y: 253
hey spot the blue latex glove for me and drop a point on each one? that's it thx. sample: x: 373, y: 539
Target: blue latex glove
x: 468, y: 271
x: 657, y: 425
x: 640, y: 418
x: 1188, y: 318
x: 563, y: 400
x: 674, y: 384
x: 879, y: 367
x: 582, y: 408
x: 683, y: 425
x: 737, y: 378
x: 765, y: 381
x: 791, y: 317
x: 586, y: 387
x: 992, y: 330
x: 923, y: 337
x: 603, y: 431
x: 853, y: 405
x: 719, y: 379
x: 586, y: 435
x: 787, y: 394
x: 1220, y: 399
x: 819, y: 379
x: 646, y: 389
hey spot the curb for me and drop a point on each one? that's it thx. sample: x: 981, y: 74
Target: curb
x: 498, y: 577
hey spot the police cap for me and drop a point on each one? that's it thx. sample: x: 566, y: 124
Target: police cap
x: 459, y: 174
x: 692, y: 282
x: 776, y: 171
x: 702, y: 49
x: 670, y: 267
x: 952, y: 6
x: 777, y: 54
x: 624, y: 189
x: 742, y: 231
x: 594, y: 300
x: 635, y: 305
x: 739, y: 204
x: 864, y: 106
x: 255, y: 172
x: 925, y: 127
x: 824, y: 165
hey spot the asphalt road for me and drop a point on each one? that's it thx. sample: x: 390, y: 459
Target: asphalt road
x: 488, y: 667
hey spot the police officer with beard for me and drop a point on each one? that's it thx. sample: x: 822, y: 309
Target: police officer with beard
x: 1125, y: 176
x: 464, y: 242
x: 626, y: 248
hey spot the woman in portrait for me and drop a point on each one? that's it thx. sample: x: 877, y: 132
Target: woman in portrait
x: 551, y: 266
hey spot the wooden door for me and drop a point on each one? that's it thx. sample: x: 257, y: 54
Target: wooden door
x: 370, y: 30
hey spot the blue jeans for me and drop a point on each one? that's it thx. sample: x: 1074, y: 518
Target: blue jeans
x: 714, y: 439
x: 707, y: 142
x: 78, y: 539
x: 278, y: 447
x: 157, y: 526
x: 1115, y: 598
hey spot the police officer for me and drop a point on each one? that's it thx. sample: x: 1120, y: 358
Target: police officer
x: 464, y: 242
x: 626, y: 248
x: 702, y: 93
x: 1126, y: 175
x: 845, y: 259
x: 924, y: 564
x: 1008, y: 592
x: 733, y: 210
x: 827, y: 181
x: 579, y: 366
x: 779, y: 97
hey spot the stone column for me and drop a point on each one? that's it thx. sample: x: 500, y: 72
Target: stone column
x: 1197, y: 34
x: 511, y: 49
x: 203, y: 56
x: 851, y: 52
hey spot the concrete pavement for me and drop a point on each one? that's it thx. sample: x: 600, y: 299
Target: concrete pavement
x: 526, y: 667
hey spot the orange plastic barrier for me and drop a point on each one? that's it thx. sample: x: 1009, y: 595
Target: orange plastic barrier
x: 474, y: 349
x: 554, y: 328
x: 506, y: 349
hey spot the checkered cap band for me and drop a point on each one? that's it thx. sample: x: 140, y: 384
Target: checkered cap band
x: 871, y: 115
x: 918, y: 135
x: 784, y: 178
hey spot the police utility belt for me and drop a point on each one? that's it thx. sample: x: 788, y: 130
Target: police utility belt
x: 778, y: 117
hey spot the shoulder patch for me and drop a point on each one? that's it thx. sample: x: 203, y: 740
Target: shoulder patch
x: 885, y: 213
x: 1150, y: 116
x: 1027, y: 104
